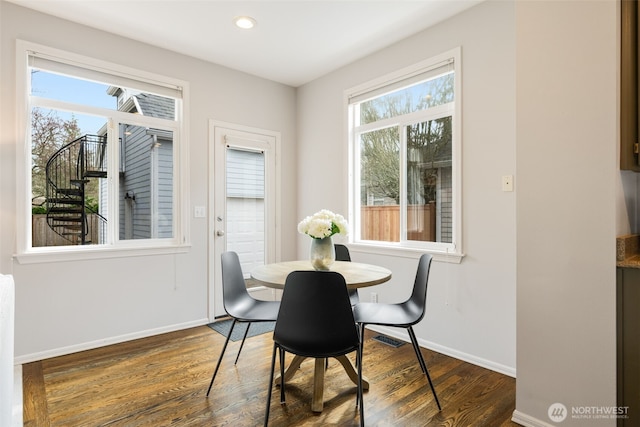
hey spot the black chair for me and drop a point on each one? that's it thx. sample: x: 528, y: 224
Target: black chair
x: 402, y: 315
x: 238, y: 304
x: 315, y: 320
x: 342, y: 254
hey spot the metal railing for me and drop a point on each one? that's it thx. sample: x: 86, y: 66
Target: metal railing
x: 68, y: 171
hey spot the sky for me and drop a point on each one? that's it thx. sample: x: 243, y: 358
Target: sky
x: 54, y: 86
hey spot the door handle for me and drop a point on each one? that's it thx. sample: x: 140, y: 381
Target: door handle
x: 220, y: 233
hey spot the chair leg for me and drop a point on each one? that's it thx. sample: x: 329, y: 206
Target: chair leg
x: 273, y: 364
x: 220, y: 358
x: 359, y: 353
x: 416, y: 349
x: 282, y: 395
x: 358, y: 365
x: 423, y: 365
x: 360, y: 390
x: 361, y: 333
x: 242, y: 343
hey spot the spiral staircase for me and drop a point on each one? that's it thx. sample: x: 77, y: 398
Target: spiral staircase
x: 68, y: 172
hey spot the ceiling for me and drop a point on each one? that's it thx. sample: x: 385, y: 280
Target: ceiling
x: 294, y: 41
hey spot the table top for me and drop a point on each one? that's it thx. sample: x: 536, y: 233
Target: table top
x: 356, y: 274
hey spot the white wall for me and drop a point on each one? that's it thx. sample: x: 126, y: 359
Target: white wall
x: 62, y: 307
x: 471, y: 306
x: 567, y: 121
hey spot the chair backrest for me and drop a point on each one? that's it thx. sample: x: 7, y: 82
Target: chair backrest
x: 234, y: 288
x: 417, y: 303
x: 315, y: 317
x: 342, y: 253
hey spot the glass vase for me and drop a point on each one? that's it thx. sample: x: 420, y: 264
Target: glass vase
x: 322, y: 253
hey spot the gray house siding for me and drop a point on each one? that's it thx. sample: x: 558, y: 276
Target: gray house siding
x: 148, y: 180
x: 164, y: 197
x: 136, y: 182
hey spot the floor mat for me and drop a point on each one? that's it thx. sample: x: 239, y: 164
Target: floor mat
x: 257, y: 328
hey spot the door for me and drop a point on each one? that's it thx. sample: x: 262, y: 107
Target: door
x: 242, y: 215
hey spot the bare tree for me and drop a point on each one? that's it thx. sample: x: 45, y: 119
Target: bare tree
x: 49, y: 133
x: 428, y: 143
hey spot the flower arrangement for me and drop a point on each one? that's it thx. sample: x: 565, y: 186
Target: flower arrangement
x: 323, y: 224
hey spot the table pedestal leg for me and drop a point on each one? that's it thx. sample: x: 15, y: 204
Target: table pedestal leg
x: 317, y: 401
x: 291, y: 370
x: 351, y: 371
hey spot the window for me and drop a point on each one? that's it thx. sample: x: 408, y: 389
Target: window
x: 106, y: 149
x: 405, y: 156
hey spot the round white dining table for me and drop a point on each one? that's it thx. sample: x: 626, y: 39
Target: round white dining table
x: 356, y: 274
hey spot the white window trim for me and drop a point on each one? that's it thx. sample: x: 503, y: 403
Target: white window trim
x: 180, y: 243
x: 453, y: 252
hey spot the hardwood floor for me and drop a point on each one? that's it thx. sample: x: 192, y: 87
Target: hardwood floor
x: 162, y: 381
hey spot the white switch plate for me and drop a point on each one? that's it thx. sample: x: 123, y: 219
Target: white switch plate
x: 507, y: 183
x: 199, y: 212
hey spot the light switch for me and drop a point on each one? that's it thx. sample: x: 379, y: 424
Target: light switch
x: 199, y: 212
x: 507, y: 183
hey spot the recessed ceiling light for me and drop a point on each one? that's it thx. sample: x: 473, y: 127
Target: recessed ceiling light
x: 244, y: 22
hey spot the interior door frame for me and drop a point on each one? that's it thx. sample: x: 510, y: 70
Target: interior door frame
x: 215, y: 243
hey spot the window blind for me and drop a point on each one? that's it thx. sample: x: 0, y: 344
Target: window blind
x: 402, y: 81
x: 95, y: 73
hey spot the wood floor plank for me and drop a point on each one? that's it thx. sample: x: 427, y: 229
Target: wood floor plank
x: 162, y: 381
x: 34, y: 398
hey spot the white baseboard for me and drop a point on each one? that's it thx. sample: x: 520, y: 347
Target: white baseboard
x: 401, y: 334
x: 27, y: 358
x: 528, y: 421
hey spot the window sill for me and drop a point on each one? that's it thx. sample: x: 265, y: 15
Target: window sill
x: 84, y: 253
x: 439, y: 256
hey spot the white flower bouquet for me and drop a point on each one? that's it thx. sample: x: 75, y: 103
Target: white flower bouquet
x: 323, y: 224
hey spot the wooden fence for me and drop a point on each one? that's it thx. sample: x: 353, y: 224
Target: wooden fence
x: 43, y: 235
x: 382, y: 223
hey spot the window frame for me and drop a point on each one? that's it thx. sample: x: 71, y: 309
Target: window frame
x: 448, y: 252
x: 114, y: 247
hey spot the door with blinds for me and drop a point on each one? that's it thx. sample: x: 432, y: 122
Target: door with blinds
x: 243, y: 217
